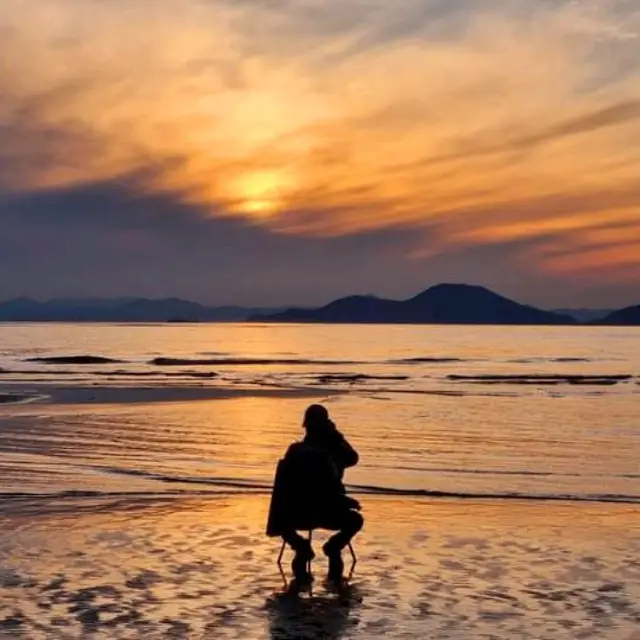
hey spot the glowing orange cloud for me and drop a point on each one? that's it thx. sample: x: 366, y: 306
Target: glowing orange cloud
x: 507, y: 127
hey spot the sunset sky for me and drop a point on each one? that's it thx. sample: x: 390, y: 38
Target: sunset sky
x: 275, y: 152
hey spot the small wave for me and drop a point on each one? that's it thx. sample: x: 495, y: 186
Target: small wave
x: 352, y: 378
x: 451, y: 393
x: 256, y: 486
x: 541, y: 379
x: 426, y: 360
x: 516, y: 472
x: 12, y: 398
x: 82, y: 359
x: 566, y: 359
x: 203, y: 362
x: 488, y: 472
x: 120, y: 373
x: 534, y: 497
x: 238, y: 488
x: 237, y: 483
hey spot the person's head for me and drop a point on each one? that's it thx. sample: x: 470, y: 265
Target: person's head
x: 316, y: 419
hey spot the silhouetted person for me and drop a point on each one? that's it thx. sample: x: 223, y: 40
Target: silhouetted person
x: 308, y: 494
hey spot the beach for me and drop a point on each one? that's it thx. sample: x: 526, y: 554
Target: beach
x: 136, y: 506
x: 126, y: 559
x: 202, y: 568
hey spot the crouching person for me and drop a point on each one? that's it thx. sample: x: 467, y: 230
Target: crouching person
x: 308, y: 493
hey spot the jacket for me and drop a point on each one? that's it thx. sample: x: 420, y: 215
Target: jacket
x: 308, y: 488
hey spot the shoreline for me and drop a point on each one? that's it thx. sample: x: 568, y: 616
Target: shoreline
x: 229, y: 490
x: 18, y: 393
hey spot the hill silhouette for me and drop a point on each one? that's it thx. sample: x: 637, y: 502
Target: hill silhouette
x: 120, y: 310
x: 629, y: 316
x: 441, y: 304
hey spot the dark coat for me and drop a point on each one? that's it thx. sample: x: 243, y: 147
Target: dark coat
x: 307, y: 488
x: 332, y: 442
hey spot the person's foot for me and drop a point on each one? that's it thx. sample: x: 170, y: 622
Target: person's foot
x: 336, y: 564
x: 300, y: 564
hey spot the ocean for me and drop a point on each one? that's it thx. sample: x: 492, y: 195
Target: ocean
x: 502, y: 412
x: 499, y: 479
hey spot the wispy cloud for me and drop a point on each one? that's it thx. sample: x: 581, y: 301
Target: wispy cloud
x: 473, y: 123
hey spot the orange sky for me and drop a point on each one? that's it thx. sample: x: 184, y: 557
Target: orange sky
x: 474, y: 123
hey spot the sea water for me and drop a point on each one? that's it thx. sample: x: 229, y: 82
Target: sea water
x: 532, y: 412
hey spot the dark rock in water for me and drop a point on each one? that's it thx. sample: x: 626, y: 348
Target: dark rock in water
x: 86, y: 359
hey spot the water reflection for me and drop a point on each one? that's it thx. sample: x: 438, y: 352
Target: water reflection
x: 330, y: 615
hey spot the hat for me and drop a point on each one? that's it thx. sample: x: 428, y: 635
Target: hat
x: 315, y: 415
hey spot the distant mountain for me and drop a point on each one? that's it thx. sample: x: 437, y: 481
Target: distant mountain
x: 443, y: 304
x: 629, y: 316
x: 359, y: 309
x: 584, y: 315
x: 121, y: 310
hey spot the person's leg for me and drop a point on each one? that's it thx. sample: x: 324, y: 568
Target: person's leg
x: 304, y: 553
x: 348, y: 523
x: 295, y: 540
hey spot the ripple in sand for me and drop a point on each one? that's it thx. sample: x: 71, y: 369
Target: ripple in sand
x: 205, y: 569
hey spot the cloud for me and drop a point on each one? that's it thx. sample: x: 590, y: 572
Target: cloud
x: 464, y: 127
x: 106, y: 239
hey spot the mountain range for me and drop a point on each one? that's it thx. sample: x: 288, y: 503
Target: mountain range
x: 121, y: 310
x: 446, y: 304
x: 585, y: 315
x: 442, y: 304
x: 629, y: 316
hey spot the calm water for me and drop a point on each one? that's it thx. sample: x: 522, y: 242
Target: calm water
x: 416, y: 428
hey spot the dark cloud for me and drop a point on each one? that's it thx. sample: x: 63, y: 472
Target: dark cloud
x: 107, y: 239
x: 376, y: 146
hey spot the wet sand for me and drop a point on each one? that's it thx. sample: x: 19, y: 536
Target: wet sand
x: 202, y: 568
x: 112, y: 394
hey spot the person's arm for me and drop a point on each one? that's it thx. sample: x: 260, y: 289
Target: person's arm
x: 333, y: 487
x: 345, y: 455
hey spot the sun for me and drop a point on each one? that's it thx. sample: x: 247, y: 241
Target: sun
x: 260, y: 194
x: 260, y: 207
